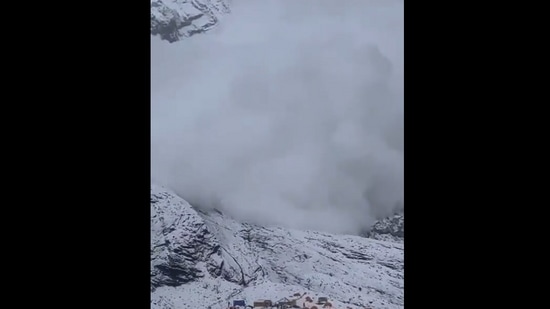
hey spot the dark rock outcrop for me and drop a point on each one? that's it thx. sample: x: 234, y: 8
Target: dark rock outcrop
x: 175, y: 20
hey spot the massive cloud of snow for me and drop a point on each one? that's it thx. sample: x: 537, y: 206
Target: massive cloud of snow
x: 289, y: 113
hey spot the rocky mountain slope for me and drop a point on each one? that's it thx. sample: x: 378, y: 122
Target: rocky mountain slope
x: 205, y: 260
x: 173, y: 20
x: 389, y: 229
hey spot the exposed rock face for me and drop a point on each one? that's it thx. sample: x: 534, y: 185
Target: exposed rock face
x: 389, y: 229
x: 174, y: 20
x: 180, y: 240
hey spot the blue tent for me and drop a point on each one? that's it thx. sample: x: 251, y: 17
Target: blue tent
x: 239, y: 303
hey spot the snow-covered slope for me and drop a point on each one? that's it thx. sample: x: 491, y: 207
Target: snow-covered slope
x: 205, y: 260
x: 173, y: 20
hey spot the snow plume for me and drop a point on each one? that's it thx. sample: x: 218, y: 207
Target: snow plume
x: 289, y: 113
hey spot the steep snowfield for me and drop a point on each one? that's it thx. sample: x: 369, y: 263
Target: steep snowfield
x: 202, y: 260
x: 173, y: 20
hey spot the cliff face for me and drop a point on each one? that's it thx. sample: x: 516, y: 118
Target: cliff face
x: 174, y: 20
x: 389, y: 229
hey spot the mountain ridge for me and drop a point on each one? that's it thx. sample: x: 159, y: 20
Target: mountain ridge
x: 191, y: 250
